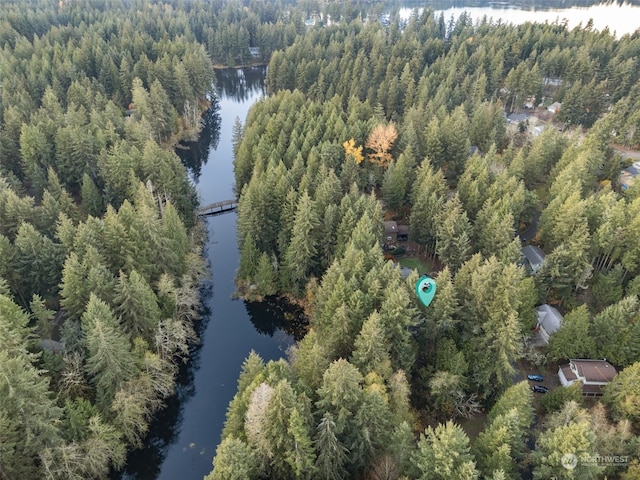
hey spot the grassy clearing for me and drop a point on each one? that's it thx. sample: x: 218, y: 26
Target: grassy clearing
x: 418, y: 264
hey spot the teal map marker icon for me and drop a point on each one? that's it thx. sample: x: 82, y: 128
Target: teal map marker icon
x: 426, y: 289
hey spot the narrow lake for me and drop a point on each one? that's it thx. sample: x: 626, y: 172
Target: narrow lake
x: 184, y: 436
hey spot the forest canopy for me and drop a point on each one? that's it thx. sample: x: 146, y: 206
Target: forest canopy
x: 100, y: 252
x: 425, y: 102
x: 101, y: 259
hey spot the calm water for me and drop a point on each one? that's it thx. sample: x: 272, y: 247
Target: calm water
x: 619, y: 18
x: 183, y: 437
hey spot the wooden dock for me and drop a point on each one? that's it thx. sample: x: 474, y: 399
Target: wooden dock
x: 218, y: 208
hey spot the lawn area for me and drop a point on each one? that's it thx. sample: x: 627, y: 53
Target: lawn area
x: 422, y: 265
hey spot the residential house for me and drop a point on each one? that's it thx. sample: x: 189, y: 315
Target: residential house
x: 628, y: 175
x: 554, y: 107
x: 593, y: 374
x: 549, y: 322
x: 532, y: 258
x: 390, y: 232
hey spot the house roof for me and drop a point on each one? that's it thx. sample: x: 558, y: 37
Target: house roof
x: 534, y: 256
x: 403, y: 229
x: 591, y: 389
x: 517, y: 117
x: 594, y: 370
x: 568, y: 373
x: 390, y: 226
x: 634, y: 169
x: 549, y: 318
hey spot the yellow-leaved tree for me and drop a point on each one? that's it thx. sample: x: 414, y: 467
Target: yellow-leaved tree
x: 352, y: 151
x: 380, y: 142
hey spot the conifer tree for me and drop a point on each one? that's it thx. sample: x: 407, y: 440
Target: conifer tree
x: 341, y: 394
x: 278, y: 435
x: 300, y: 455
x: 332, y: 455
x: 623, y: 393
x: 370, y: 352
x: 266, y: 278
x: 443, y: 454
x: 137, y: 305
x: 574, y: 338
x: 38, y: 261
x: 569, y: 432
x: 300, y: 255
x: 30, y: 417
x: 309, y: 359
x: 234, y: 460
x: 109, y: 361
x: 453, y: 234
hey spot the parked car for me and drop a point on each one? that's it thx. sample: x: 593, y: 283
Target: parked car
x: 539, y: 389
x: 535, y: 377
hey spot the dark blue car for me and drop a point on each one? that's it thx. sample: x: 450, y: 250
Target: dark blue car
x: 539, y: 389
x: 535, y: 377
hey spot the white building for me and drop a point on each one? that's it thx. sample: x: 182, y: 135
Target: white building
x: 593, y: 374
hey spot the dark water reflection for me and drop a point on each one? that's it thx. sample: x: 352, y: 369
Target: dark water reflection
x: 183, y: 436
x: 196, y: 153
x: 275, y: 314
x: 241, y: 84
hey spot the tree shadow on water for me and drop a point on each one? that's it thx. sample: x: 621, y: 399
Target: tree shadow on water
x: 194, y: 154
x: 274, y: 313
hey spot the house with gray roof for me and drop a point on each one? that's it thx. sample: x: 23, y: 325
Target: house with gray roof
x: 532, y: 258
x: 516, y: 118
x: 549, y: 322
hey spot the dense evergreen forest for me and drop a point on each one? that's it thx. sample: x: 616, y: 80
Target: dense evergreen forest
x: 100, y: 251
x: 366, y: 122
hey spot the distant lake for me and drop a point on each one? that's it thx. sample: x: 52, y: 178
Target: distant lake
x: 620, y: 18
